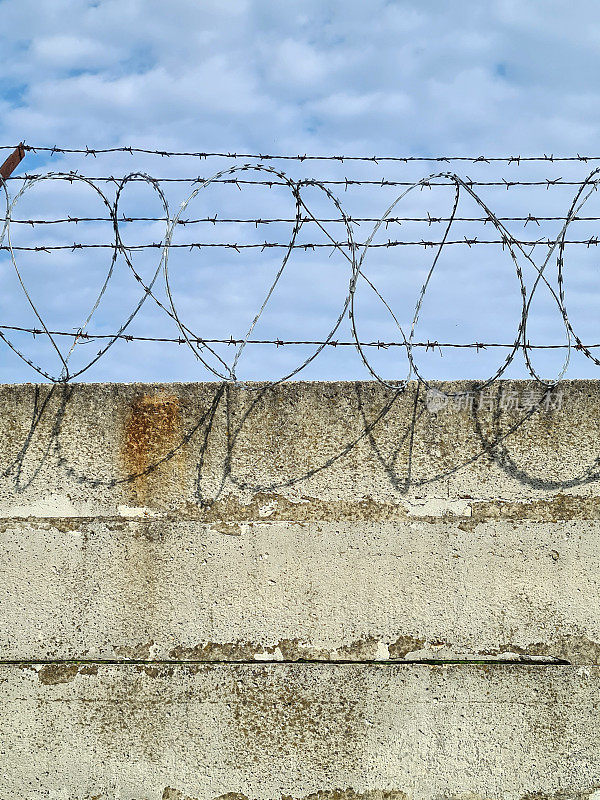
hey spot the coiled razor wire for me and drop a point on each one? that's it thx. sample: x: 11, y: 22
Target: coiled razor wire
x: 354, y: 253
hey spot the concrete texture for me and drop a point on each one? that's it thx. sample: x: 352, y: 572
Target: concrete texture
x: 442, y: 589
x: 295, y: 451
x: 163, y: 527
x: 267, y: 731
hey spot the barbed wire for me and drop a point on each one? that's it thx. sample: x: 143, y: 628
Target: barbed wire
x: 430, y: 220
x: 428, y: 183
x: 593, y: 241
x: 230, y: 340
x: 96, y: 151
x: 355, y: 253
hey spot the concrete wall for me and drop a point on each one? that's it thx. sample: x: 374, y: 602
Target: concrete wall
x: 317, y: 590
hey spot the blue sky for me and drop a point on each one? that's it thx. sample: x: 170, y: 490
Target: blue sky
x: 391, y: 78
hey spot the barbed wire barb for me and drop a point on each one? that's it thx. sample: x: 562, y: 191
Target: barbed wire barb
x: 535, y: 254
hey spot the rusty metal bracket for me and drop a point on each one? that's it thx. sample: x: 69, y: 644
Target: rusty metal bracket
x: 12, y: 162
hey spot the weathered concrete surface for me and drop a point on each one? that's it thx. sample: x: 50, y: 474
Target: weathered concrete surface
x: 154, y: 526
x: 267, y: 731
x: 310, y: 520
x: 321, y: 450
x: 452, y: 588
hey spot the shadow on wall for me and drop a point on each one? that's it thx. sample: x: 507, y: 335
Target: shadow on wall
x: 264, y: 439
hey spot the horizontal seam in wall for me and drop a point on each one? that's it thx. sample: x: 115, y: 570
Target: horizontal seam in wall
x: 554, y: 662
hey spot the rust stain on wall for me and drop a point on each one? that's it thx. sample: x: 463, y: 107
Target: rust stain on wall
x: 324, y: 794
x: 275, y: 507
x: 284, y: 650
x: 152, y: 453
x: 174, y: 794
x: 567, y: 647
x: 405, y: 645
x: 350, y: 794
x: 557, y: 508
x: 384, y: 794
x: 51, y: 674
x: 57, y: 673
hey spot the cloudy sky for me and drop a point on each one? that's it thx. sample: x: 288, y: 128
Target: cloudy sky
x: 327, y: 77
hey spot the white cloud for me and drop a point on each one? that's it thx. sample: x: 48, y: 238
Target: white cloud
x: 321, y: 76
x: 72, y: 53
x: 348, y: 106
x: 298, y: 63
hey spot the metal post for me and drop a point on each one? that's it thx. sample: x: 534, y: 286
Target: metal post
x: 12, y: 162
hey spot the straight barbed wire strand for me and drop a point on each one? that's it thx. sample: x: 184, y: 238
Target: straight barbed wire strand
x: 547, y: 183
x: 432, y: 344
x: 347, y: 247
x: 430, y: 220
x: 95, y: 151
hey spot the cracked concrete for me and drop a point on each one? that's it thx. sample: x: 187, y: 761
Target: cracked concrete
x: 268, y: 731
x: 360, y: 590
x: 171, y: 554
